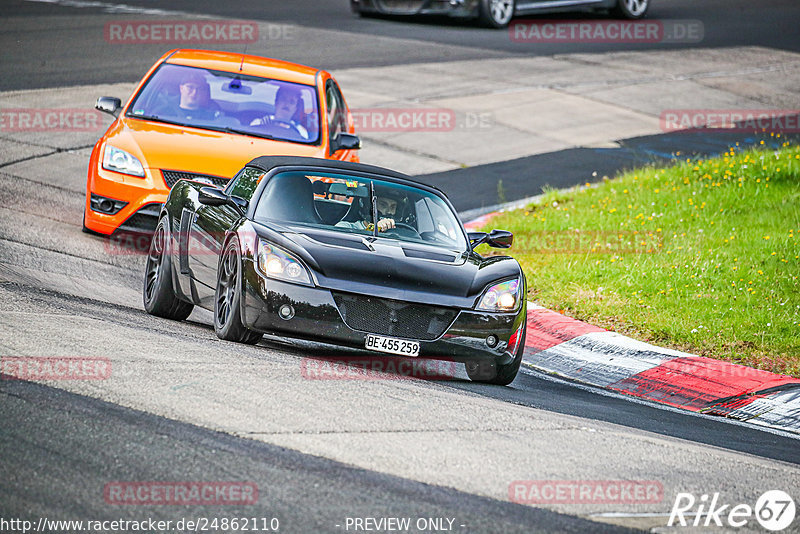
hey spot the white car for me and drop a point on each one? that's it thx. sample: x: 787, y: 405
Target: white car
x: 498, y: 13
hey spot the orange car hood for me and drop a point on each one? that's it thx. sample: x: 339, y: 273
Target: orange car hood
x: 166, y: 146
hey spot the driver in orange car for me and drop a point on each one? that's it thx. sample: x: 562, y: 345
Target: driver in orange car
x: 195, y: 99
x: 288, y: 111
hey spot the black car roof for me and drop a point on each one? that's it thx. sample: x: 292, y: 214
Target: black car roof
x: 267, y: 163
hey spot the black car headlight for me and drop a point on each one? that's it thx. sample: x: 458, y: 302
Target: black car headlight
x: 501, y: 297
x: 274, y: 262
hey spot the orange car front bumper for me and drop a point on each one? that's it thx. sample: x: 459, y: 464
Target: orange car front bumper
x: 116, y: 201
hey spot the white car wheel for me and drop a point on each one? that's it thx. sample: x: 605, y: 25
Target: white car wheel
x: 496, y: 13
x: 632, y: 9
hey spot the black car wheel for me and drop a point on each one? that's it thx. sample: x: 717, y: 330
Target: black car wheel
x: 158, y: 294
x: 502, y: 375
x: 632, y: 9
x: 227, y: 299
x: 496, y: 13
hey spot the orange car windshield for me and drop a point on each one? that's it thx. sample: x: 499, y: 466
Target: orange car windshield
x: 229, y: 102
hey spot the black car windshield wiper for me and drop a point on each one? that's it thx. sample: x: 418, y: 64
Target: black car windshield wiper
x: 374, y: 202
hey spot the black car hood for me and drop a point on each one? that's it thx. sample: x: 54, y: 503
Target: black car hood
x: 393, y: 269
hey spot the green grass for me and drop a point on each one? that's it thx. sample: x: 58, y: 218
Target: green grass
x: 703, y: 256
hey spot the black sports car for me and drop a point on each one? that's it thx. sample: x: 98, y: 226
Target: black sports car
x: 342, y: 253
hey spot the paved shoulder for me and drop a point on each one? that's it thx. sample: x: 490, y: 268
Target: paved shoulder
x: 61, y: 453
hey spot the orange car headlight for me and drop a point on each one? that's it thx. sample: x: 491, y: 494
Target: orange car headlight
x: 117, y: 160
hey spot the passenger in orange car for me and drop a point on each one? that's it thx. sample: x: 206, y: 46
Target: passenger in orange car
x: 288, y: 112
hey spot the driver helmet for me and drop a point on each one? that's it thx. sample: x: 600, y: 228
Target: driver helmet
x: 390, y: 202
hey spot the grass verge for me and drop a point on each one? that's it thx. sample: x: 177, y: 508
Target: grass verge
x: 702, y: 256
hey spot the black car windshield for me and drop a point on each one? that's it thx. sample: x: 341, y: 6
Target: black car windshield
x: 231, y: 102
x: 352, y: 205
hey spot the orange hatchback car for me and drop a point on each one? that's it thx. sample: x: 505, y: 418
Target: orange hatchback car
x: 201, y: 115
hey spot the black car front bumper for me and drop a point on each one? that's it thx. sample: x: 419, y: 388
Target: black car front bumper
x: 317, y: 315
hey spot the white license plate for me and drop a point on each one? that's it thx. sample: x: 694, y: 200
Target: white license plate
x: 392, y: 345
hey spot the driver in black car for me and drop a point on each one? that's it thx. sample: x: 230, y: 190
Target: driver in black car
x: 288, y: 108
x: 387, y: 204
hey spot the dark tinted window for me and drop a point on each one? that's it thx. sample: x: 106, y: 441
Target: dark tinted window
x: 344, y: 203
x: 244, y: 184
x: 337, y: 113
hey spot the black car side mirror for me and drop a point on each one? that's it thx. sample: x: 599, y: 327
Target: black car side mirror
x: 108, y: 104
x: 495, y: 239
x: 213, y: 196
x: 345, y: 141
x: 239, y: 203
